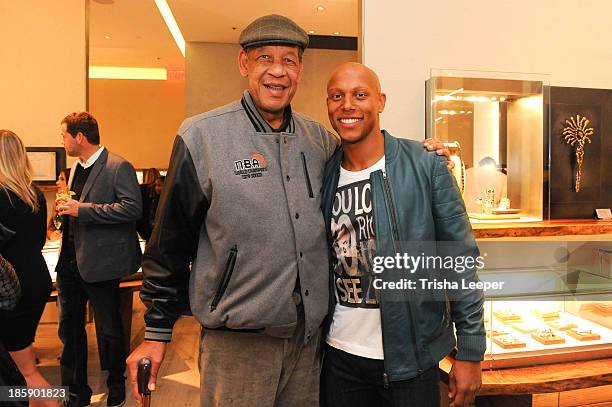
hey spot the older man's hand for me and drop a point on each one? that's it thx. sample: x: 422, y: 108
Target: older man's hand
x: 155, y: 352
x: 432, y: 144
x: 465, y: 380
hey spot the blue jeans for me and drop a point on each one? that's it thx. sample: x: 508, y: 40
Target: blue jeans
x: 352, y: 381
x: 73, y: 294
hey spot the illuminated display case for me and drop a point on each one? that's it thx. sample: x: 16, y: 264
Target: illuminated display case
x: 548, y: 315
x: 497, y: 124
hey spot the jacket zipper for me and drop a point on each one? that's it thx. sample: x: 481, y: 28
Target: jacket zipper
x: 391, y: 210
x: 396, y: 238
x: 227, y: 275
x: 385, y: 375
x: 308, y: 184
x: 382, y: 333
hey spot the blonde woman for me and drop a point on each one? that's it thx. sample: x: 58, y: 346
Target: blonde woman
x: 23, y: 210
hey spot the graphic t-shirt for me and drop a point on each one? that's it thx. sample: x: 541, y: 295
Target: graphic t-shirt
x: 356, y: 325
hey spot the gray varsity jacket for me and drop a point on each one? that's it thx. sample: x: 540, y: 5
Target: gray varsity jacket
x: 242, y: 202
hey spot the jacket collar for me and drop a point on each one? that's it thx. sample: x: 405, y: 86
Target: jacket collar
x: 91, y: 160
x: 258, y: 122
x: 391, y: 145
x: 95, y: 171
x: 390, y: 151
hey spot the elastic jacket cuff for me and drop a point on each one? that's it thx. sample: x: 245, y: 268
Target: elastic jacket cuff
x: 158, y: 334
x: 471, y: 347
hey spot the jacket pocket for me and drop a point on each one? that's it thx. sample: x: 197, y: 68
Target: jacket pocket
x: 225, y: 278
x: 307, y: 176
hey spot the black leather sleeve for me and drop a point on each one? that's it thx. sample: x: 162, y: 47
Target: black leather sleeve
x: 173, y: 245
x: 452, y: 225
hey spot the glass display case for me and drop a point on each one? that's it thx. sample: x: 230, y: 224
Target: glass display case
x: 547, y: 315
x: 496, y: 124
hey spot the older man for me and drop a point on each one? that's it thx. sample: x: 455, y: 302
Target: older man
x: 242, y: 202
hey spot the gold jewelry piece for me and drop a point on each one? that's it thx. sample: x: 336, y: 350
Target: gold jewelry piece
x: 576, y: 134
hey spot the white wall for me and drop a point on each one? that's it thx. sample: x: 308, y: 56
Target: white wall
x: 42, y: 67
x: 403, y: 40
x: 138, y: 119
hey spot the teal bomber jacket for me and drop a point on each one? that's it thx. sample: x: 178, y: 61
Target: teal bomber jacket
x: 416, y: 199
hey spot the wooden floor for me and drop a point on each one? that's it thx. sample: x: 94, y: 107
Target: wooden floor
x: 178, y: 383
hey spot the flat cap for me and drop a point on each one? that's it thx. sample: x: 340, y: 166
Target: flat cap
x: 273, y: 29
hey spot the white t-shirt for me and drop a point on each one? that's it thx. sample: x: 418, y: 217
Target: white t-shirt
x: 356, y: 325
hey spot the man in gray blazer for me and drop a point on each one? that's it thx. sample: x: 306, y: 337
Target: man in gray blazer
x: 99, y: 246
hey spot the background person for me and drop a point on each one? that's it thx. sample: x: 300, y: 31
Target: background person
x: 99, y: 246
x: 54, y: 225
x: 150, y: 199
x: 149, y: 176
x: 10, y: 294
x: 155, y: 195
x: 23, y: 210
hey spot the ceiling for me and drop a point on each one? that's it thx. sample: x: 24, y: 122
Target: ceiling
x: 139, y: 36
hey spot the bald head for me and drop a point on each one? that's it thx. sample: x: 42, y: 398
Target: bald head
x: 355, y: 70
x: 354, y: 102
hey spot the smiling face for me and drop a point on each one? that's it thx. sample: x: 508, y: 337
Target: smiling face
x: 273, y: 72
x: 354, y: 102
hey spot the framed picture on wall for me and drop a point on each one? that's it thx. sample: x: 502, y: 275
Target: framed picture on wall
x: 46, y: 163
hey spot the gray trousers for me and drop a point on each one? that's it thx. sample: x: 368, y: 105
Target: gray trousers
x: 251, y: 369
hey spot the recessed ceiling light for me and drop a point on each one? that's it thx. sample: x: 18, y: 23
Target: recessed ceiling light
x: 311, y: 31
x: 108, y: 37
x: 337, y: 33
x: 320, y: 8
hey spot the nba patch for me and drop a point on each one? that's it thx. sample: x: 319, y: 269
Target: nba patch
x: 252, y: 167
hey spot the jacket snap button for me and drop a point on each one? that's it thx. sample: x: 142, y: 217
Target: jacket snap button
x: 306, y: 293
x: 285, y: 140
x: 288, y: 178
x: 297, y: 215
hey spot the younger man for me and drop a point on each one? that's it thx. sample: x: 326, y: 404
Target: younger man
x: 380, y: 192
